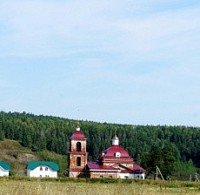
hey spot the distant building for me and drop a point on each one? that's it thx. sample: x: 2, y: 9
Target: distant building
x: 4, y: 169
x: 114, y: 162
x: 42, y: 169
x: 77, y: 160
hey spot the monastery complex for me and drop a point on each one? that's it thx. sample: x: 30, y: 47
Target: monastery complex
x: 114, y: 162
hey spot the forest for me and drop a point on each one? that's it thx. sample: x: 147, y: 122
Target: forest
x: 173, y: 148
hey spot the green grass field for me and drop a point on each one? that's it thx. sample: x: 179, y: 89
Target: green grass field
x: 27, y: 186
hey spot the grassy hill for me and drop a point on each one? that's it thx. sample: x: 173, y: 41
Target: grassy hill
x: 18, y: 156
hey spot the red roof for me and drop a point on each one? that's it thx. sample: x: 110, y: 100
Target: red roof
x: 78, y: 135
x: 95, y: 165
x: 137, y: 168
x: 98, y: 167
x: 111, y: 152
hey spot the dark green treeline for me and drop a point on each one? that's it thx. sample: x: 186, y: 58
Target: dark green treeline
x: 53, y: 133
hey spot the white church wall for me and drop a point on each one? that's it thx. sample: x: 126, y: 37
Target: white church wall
x: 131, y: 175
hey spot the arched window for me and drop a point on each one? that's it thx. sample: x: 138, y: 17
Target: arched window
x: 78, y: 161
x: 78, y: 146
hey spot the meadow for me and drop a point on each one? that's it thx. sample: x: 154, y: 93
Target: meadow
x: 25, y: 186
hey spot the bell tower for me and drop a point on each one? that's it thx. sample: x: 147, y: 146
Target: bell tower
x: 77, y: 154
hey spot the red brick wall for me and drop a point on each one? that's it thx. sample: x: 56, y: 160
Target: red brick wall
x: 74, y: 170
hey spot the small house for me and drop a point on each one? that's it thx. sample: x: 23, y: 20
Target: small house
x: 4, y: 169
x: 42, y: 169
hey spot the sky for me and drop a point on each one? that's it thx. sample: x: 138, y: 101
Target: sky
x: 117, y: 61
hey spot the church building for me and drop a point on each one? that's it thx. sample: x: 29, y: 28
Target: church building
x: 114, y: 162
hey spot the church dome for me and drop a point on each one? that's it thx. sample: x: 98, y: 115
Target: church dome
x: 78, y: 135
x: 115, y: 151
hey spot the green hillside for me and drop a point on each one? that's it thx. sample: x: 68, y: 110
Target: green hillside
x: 18, y: 156
x: 178, y: 145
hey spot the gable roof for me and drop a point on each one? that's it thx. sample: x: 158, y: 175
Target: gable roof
x: 5, y: 165
x: 34, y: 164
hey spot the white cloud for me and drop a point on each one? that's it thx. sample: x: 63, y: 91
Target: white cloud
x: 165, y: 32
x: 129, y: 57
x: 63, y: 27
x: 35, y: 19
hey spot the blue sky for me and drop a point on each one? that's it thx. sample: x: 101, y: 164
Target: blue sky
x: 129, y: 62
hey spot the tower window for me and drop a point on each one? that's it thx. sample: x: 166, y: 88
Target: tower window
x: 78, y: 161
x: 78, y: 146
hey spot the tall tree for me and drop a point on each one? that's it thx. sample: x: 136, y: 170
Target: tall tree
x: 162, y: 158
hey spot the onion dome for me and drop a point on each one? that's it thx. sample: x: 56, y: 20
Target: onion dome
x: 115, y: 141
x: 78, y: 135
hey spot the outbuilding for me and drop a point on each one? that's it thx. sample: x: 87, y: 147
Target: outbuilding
x: 42, y: 169
x: 4, y: 169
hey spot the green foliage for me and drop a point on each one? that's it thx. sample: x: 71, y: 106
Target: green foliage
x: 162, y: 158
x: 12, y: 172
x: 184, y: 170
x: 52, y: 133
x: 2, y: 135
